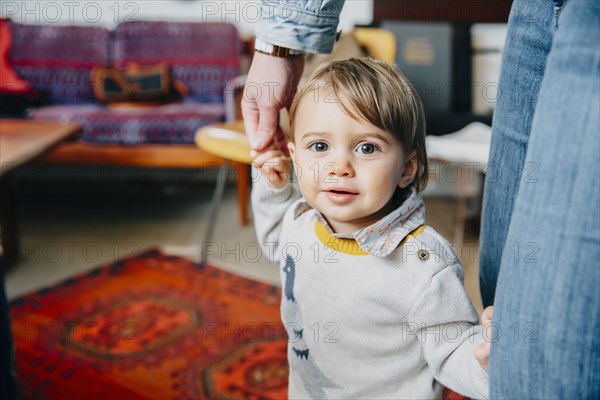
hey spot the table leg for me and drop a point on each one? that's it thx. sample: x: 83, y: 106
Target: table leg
x: 8, y: 220
x: 8, y: 381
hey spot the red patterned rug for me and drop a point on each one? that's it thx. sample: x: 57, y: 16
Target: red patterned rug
x: 152, y: 327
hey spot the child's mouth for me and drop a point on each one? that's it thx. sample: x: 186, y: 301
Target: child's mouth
x: 341, y: 192
x: 340, y: 196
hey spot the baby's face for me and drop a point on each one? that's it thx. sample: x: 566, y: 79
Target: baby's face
x: 347, y: 169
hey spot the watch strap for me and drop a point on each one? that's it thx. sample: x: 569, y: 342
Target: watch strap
x: 273, y: 50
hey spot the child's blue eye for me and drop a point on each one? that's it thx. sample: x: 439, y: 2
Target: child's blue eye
x: 319, y: 146
x: 367, y: 148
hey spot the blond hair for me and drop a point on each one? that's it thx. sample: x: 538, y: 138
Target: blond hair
x: 373, y: 91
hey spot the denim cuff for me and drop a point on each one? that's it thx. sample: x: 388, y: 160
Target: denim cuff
x: 297, y: 28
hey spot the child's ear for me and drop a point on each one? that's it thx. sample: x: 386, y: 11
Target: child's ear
x: 291, y: 147
x: 410, y: 170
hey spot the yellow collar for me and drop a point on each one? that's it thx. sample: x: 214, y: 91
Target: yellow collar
x: 379, y: 239
x: 350, y: 246
x: 346, y: 246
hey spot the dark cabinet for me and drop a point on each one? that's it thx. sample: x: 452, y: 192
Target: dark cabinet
x: 442, y: 10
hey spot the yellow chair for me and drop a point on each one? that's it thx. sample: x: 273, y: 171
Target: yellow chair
x: 379, y: 43
x: 228, y: 140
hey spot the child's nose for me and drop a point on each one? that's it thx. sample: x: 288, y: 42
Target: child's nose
x: 341, y: 166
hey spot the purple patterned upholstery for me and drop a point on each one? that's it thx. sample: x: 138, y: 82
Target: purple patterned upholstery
x: 204, y: 56
x: 56, y: 60
x: 172, y: 123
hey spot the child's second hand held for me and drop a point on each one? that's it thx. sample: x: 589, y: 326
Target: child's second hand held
x: 274, y: 166
x: 482, y: 351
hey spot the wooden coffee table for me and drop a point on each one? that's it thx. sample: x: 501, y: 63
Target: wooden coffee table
x: 21, y: 142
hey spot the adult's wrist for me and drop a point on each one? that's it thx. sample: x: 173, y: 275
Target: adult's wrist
x: 271, y: 49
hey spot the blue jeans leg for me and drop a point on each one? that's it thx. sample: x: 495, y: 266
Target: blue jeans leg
x: 547, y: 304
x: 529, y: 39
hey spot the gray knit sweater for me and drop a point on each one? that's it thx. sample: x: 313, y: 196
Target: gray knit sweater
x: 380, y: 314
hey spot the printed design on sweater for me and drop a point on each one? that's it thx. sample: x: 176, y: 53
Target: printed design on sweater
x: 290, y: 275
x: 301, y: 363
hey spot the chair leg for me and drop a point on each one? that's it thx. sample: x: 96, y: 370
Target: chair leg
x: 243, y: 190
x: 214, y: 211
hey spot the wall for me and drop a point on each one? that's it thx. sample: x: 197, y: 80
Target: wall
x: 244, y: 13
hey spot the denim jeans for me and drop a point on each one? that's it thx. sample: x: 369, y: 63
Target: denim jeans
x: 540, y: 238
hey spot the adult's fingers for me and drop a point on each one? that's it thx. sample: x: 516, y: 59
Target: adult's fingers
x: 268, y: 124
x: 280, y: 141
x: 250, y: 118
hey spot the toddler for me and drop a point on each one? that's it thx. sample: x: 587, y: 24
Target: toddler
x: 373, y: 300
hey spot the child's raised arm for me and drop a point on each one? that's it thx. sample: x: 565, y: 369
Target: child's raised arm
x: 272, y: 195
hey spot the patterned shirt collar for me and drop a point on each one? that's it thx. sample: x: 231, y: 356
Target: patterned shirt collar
x: 381, y: 238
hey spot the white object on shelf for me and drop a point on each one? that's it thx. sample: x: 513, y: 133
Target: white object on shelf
x: 487, y: 41
x: 457, y: 163
x: 471, y: 144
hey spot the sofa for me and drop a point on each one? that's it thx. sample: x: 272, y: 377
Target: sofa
x: 56, y: 62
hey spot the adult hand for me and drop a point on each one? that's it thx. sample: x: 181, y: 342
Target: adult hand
x: 271, y: 85
x: 482, y: 351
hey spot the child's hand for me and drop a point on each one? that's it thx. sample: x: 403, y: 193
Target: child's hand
x: 482, y: 351
x: 275, y: 167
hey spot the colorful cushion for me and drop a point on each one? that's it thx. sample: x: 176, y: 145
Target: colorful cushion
x: 58, y: 61
x: 133, y: 83
x: 204, y: 56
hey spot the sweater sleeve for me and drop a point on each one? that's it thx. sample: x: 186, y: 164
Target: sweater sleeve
x: 445, y: 321
x: 269, y: 206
